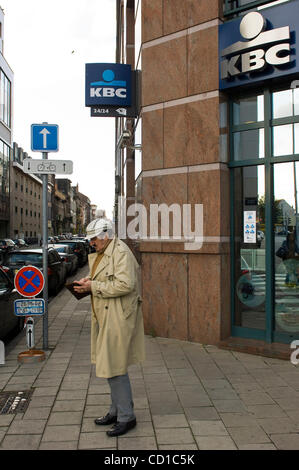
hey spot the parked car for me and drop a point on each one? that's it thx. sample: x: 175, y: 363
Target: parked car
x: 8, y: 320
x: 86, y: 242
x: 20, y: 243
x: 67, y: 254
x: 57, y: 270
x: 6, y: 244
x: 78, y: 248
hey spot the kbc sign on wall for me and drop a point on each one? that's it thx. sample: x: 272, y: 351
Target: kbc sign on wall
x: 258, y: 46
x: 107, y: 84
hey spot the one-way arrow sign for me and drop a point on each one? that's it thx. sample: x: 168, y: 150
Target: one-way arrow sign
x: 44, y: 137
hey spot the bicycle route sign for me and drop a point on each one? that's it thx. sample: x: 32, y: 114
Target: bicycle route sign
x: 29, y: 281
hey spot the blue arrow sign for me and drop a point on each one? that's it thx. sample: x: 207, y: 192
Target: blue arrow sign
x: 44, y: 137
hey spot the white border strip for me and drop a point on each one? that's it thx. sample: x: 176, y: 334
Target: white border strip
x: 184, y: 169
x: 180, y: 34
x: 180, y: 101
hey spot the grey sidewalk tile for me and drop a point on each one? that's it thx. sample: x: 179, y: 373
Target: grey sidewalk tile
x: 143, y: 429
x: 166, y: 408
x: 278, y: 425
x: 266, y: 411
x: 160, y: 387
x: 137, y: 443
x: 140, y: 403
x: 216, y: 384
x: 215, y: 443
x: 238, y: 420
x: 256, y: 398
x: 248, y: 435
x: 21, y: 442
x: 37, y: 413
x: 248, y: 387
x: 288, y: 404
x: 202, y: 413
x: 98, y: 388
x: 286, y: 441
x: 37, y: 401
x: 222, y: 394
x: 74, y: 386
x: 280, y: 392
x: 96, y: 440
x: 208, y: 428
x: 100, y: 399
x: 169, y: 396
x: 71, y: 395
x: 17, y: 387
x: 143, y: 415
x: 293, y: 415
x: 178, y: 447
x: 257, y: 447
x: 45, y: 391
x: 230, y: 406
x: 94, y: 411
x: 27, y: 427
x: 65, y: 418
x: 5, y: 420
x: 61, y: 433
x: 174, y: 436
x: 88, y: 425
x: 69, y: 445
x: 181, y: 380
x: 69, y: 405
x: 170, y: 421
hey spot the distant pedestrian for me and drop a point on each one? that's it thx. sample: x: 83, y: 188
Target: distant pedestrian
x: 117, y: 333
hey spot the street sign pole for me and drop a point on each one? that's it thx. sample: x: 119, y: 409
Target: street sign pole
x: 45, y: 254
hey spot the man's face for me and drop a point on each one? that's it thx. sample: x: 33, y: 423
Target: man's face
x: 99, y: 242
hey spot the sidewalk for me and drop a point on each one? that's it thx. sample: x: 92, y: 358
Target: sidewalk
x: 187, y: 396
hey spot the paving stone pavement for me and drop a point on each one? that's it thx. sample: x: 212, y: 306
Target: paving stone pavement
x: 187, y: 396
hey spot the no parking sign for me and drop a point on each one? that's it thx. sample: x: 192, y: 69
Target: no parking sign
x: 29, y: 281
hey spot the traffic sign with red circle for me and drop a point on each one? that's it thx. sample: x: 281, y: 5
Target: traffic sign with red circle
x: 29, y: 281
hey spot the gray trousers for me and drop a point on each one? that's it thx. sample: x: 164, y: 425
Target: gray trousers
x: 122, y: 404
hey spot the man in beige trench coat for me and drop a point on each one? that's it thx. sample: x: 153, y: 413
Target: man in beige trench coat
x: 117, y: 334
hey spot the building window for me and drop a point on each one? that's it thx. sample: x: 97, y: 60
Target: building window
x: 16, y: 209
x: 237, y: 7
x: 264, y: 140
x: 4, y: 168
x: 5, y: 99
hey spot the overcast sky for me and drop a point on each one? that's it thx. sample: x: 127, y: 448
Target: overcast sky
x: 47, y: 43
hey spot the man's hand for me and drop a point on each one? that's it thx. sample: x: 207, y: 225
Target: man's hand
x: 84, y: 285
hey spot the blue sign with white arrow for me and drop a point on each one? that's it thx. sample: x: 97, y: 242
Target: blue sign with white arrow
x: 44, y: 137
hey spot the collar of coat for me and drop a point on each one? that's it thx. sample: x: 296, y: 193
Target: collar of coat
x: 105, y: 260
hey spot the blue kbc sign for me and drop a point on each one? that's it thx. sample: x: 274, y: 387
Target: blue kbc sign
x: 259, y: 46
x: 44, y: 137
x: 108, y: 84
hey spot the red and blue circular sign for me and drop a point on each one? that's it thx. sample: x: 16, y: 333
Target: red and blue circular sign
x: 29, y: 281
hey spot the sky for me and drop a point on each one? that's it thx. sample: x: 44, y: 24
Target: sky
x: 47, y: 44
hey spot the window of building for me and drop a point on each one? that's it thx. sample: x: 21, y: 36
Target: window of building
x: 5, y: 99
x: 138, y: 36
x: 4, y: 169
x: 264, y: 163
x: 16, y: 209
x: 239, y: 7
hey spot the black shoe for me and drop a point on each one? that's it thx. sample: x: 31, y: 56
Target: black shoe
x: 108, y: 419
x: 121, y: 428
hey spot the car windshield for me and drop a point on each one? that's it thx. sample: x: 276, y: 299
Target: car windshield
x: 36, y: 259
x: 73, y: 245
x: 60, y: 249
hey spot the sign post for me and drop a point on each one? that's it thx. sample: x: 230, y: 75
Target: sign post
x: 29, y: 282
x: 44, y: 138
x: 45, y: 254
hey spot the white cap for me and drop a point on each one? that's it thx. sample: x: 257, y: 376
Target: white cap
x: 98, y: 226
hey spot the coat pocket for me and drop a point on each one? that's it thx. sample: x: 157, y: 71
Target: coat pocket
x: 128, y: 305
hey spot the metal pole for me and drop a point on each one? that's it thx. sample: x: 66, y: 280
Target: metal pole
x: 45, y: 254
